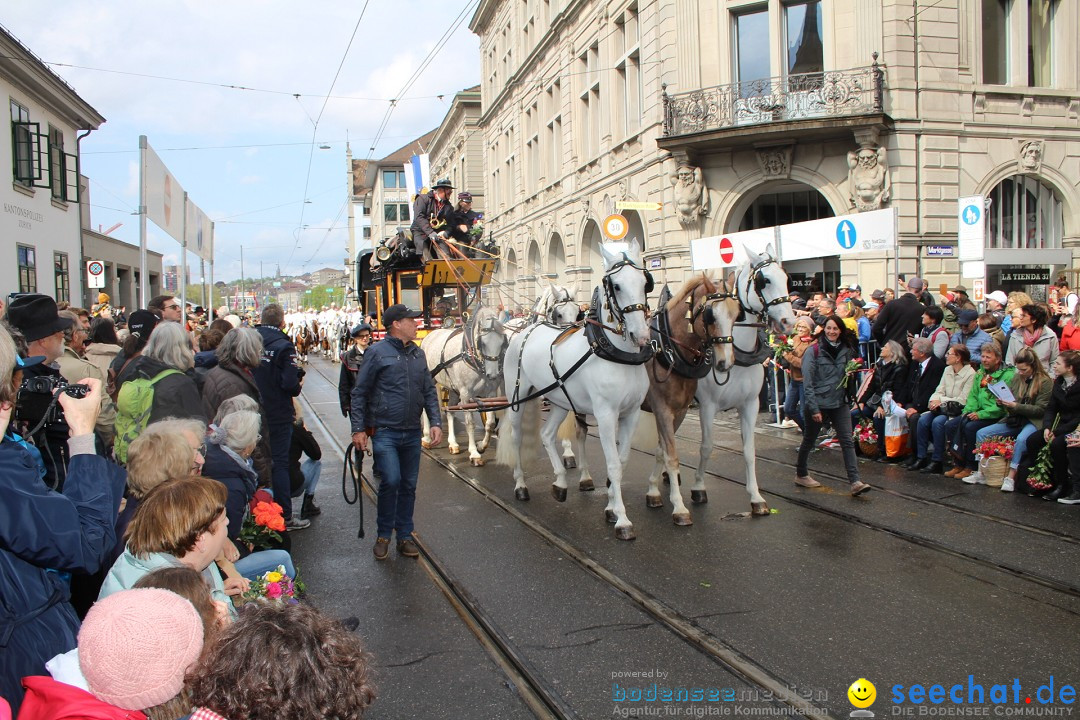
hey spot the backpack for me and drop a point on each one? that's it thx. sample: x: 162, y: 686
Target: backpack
x: 133, y: 405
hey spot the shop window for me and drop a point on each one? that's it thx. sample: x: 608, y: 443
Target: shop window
x: 1024, y: 214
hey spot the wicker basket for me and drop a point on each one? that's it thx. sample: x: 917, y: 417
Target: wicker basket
x: 994, y: 469
x: 868, y: 449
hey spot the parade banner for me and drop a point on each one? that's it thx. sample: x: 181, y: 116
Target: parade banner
x: 873, y: 231
x: 161, y: 194
x: 199, y: 233
x: 720, y: 251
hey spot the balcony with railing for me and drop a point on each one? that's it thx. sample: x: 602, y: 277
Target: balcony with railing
x: 808, y: 104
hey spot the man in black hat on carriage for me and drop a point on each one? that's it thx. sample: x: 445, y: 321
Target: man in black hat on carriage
x: 431, y: 216
x: 462, y: 221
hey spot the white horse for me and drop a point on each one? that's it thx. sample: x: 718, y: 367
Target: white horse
x: 596, y: 371
x: 467, y: 361
x: 556, y: 305
x: 762, y: 292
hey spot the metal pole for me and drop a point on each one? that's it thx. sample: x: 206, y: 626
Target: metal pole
x: 243, y: 290
x: 211, y: 263
x: 181, y: 281
x: 144, y: 295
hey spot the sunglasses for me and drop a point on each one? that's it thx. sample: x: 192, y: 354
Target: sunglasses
x: 172, y: 307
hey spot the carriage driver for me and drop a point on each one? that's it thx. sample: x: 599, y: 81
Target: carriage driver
x: 430, y: 218
x: 351, y: 360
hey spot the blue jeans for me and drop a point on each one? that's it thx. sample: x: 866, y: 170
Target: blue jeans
x: 311, y: 469
x: 941, y: 428
x: 263, y: 561
x: 1021, y: 435
x: 793, y: 402
x: 280, y: 483
x: 397, y: 455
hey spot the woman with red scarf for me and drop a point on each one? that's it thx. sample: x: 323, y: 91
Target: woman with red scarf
x: 1029, y: 330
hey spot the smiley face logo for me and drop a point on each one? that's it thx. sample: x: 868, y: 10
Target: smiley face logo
x: 862, y: 693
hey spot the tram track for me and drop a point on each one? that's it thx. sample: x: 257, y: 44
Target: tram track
x: 538, y: 694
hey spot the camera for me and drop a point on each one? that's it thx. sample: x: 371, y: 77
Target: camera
x: 36, y: 400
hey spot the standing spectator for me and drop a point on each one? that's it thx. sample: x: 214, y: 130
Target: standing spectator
x: 981, y: 409
x: 75, y: 368
x: 206, y: 359
x: 104, y: 345
x: 140, y: 327
x: 167, y: 308
x: 305, y: 475
x: 825, y: 395
x: 1070, y: 331
x: 278, y: 378
x: 1016, y: 301
x: 963, y: 302
x: 923, y: 379
x: 988, y: 323
x: 169, y: 357
x: 37, y: 318
x: 901, y: 317
x: 932, y: 329
x: 1031, y: 388
x: 1064, y: 409
x: 824, y: 309
x: 1031, y: 332
x: 995, y: 303
x: 392, y: 389
x: 351, y: 360
x: 802, y: 336
x: 945, y: 408
x: 971, y: 335
x: 42, y: 532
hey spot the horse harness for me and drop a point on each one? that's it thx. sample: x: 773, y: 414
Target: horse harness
x: 667, y: 349
x: 471, y: 353
x: 757, y: 282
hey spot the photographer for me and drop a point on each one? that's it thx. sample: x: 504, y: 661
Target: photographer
x: 43, y: 533
x: 37, y: 318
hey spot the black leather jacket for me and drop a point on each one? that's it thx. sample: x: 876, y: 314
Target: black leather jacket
x: 393, y: 387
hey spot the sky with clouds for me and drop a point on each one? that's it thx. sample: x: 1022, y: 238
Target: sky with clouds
x: 246, y: 157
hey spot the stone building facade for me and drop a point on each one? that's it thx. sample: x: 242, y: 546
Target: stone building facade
x: 738, y: 114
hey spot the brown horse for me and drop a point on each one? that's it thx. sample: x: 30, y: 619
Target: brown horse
x: 694, y: 332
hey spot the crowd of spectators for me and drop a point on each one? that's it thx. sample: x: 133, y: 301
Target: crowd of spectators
x: 958, y: 377
x: 125, y: 576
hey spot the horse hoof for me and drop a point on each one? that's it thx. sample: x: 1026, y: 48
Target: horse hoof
x: 682, y: 519
x: 455, y: 450
x: 476, y: 462
x: 522, y: 493
x: 586, y: 485
x: 625, y: 533
x: 559, y: 493
x: 569, y: 463
x: 609, y: 516
x: 761, y: 508
x: 654, y: 501
x: 699, y: 497
x: 426, y: 444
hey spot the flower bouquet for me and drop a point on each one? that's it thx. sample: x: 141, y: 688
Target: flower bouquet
x: 852, y: 367
x: 476, y: 232
x: 263, y: 525
x: 866, y: 438
x: 275, y: 586
x: 994, y: 454
x: 1041, y: 475
x: 780, y: 344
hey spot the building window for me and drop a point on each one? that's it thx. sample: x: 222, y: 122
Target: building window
x: 393, y: 179
x: 27, y: 269
x: 589, y: 64
x: 995, y: 41
x: 532, y: 149
x: 395, y: 212
x: 554, y: 138
x: 752, y: 51
x: 508, y: 164
x: 367, y: 232
x: 1015, y: 32
x: 1024, y: 214
x: 785, y: 208
x: 628, y: 69
x: 1041, y: 44
x: 802, y: 30
x: 63, y: 277
x: 26, y: 143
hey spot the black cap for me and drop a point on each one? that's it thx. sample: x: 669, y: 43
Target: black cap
x: 966, y: 317
x: 36, y: 316
x: 444, y: 183
x: 142, y: 322
x: 398, y: 312
x: 362, y: 327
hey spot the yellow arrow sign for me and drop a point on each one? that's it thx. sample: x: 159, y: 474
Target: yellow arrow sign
x: 633, y: 205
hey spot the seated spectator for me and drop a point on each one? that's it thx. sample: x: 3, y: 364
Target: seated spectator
x: 1070, y: 331
x: 1072, y: 450
x: 228, y: 460
x: 1031, y: 388
x: 325, y: 673
x: 945, y: 408
x: 981, y: 409
x: 1030, y: 331
x: 890, y: 372
x: 932, y: 318
x: 190, y: 585
x: 135, y: 649
x: 37, y: 621
x: 923, y: 378
x: 970, y: 334
x: 1061, y: 417
x: 1016, y: 300
x: 988, y: 323
x: 304, y: 476
x: 181, y: 522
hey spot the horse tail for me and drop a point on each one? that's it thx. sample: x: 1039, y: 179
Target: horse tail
x: 645, y: 435
x: 568, y: 428
x: 510, y: 453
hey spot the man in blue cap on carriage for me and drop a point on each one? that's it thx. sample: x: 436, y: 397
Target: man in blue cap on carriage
x: 431, y: 215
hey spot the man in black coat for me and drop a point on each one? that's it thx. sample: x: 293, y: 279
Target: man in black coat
x: 431, y: 215
x: 351, y: 360
x: 925, y: 373
x: 902, y: 316
x: 278, y: 378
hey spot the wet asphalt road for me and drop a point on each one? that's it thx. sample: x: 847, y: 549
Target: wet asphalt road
x: 923, y: 580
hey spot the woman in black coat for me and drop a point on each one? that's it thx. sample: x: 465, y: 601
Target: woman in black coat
x: 1064, y: 409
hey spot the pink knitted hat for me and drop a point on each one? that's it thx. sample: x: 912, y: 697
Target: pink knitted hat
x: 136, y: 646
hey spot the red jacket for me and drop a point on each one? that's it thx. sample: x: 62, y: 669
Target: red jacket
x: 47, y: 699
x: 1070, y: 337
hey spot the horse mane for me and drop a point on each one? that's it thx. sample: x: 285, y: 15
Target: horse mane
x: 688, y: 289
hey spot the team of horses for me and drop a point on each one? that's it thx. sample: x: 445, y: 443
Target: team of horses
x: 326, y: 339
x: 703, y: 343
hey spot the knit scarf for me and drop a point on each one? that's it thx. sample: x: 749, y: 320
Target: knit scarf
x: 1030, y: 336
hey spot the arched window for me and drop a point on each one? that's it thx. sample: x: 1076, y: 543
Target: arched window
x: 1024, y: 214
x: 509, y: 263
x: 532, y: 265
x: 556, y: 256
x: 785, y: 207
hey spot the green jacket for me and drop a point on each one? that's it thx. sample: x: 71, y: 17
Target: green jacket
x: 981, y: 400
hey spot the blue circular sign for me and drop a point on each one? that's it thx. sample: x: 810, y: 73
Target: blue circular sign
x: 971, y: 214
x: 845, y: 234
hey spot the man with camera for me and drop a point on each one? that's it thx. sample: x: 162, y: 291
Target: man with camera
x: 37, y: 318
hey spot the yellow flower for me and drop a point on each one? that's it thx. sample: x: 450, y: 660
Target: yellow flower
x: 273, y: 577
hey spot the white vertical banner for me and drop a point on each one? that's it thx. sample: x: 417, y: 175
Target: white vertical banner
x: 198, y: 233
x: 971, y: 230
x: 162, y: 195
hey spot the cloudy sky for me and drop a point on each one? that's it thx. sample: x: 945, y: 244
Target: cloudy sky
x: 247, y: 157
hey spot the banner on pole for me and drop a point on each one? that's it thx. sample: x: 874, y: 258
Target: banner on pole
x: 971, y: 226
x: 163, y: 197
x: 873, y: 231
x: 726, y: 250
x: 200, y: 233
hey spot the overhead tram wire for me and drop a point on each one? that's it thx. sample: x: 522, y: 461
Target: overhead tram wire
x: 315, y: 129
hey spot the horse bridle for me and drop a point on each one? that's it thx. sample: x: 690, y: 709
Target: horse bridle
x: 609, y: 293
x: 708, y: 315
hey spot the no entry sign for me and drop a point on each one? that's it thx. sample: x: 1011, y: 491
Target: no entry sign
x: 727, y: 250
